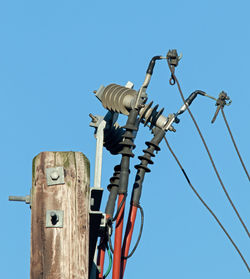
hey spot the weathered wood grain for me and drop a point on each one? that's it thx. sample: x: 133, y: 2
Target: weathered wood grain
x: 60, y: 252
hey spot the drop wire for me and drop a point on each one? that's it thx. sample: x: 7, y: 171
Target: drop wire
x: 234, y: 143
x: 207, y: 207
x: 208, y: 152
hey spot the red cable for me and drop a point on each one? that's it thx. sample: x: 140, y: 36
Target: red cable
x: 101, y: 254
x: 118, y: 239
x: 101, y: 257
x: 128, y: 237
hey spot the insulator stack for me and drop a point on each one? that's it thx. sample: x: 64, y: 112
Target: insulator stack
x: 112, y: 138
x: 145, y: 159
x: 152, y: 116
x: 114, y: 180
x: 121, y: 99
x: 129, y: 135
x: 118, y: 98
x: 149, y: 152
x: 113, y: 189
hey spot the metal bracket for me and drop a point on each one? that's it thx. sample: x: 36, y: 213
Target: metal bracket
x: 54, y: 218
x: 99, y: 123
x: 55, y: 176
x: 95, y: 198
x: 97, y: 218
x: 97, y: 224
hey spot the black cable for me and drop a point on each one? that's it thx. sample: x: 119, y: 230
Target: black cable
x: 206, y: 147
x: 207, y: 207
x: 109, y: 233
x: 119, y: 208
x: 234, y: 143
x: 139, y: 236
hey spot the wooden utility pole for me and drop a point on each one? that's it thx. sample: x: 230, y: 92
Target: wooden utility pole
x: 60, y: 216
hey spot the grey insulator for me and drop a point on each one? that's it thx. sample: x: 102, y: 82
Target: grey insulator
x: 121, y: 99
x: 152, y: 116
x: 118, y: 98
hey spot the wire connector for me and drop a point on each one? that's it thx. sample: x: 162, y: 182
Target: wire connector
x: 173, y: 60
x: 220, y: 103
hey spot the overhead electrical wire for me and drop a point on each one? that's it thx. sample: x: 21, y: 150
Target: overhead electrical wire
x: 205, y: 204
x: 174, y: 78
x: 234, y: 143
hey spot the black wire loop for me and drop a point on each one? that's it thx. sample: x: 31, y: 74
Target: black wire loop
x: 120, y: 207
x: 172, y: 70
x: 172, y: 81
x: 139, y: 236
x: 110, y: 231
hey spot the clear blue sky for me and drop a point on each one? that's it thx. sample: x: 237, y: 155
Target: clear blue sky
x: 53, y: 54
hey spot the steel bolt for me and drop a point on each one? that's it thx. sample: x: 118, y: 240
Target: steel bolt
x: 54, y: 175
x: 94, y: 119
x: 52, y: 214
x: 172, y: 129
x: 25, y: 199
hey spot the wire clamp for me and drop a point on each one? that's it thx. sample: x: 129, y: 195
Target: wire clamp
x: 173, y: 60
x: 220, y: 103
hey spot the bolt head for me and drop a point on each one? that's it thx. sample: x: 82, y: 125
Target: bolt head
x: 54, y: 175
x: 52, y: 214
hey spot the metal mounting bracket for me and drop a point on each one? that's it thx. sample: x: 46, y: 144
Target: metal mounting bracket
x: 97, y: 224
x: 55, y: 176
x: 99, y: 123
x: 54, y: 218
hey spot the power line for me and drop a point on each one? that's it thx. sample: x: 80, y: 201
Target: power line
x: 207, y: 207
x: 234, y: 143
x: 174, y: 78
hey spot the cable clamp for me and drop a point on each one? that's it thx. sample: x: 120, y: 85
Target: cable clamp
x: 223, y: 97
x: 220, y: 103
x: 173, y: 60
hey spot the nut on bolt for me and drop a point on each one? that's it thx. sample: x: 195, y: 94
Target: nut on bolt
x: 54, y: 175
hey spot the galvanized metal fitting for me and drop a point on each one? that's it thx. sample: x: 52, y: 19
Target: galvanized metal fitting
x: 25, y: 199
